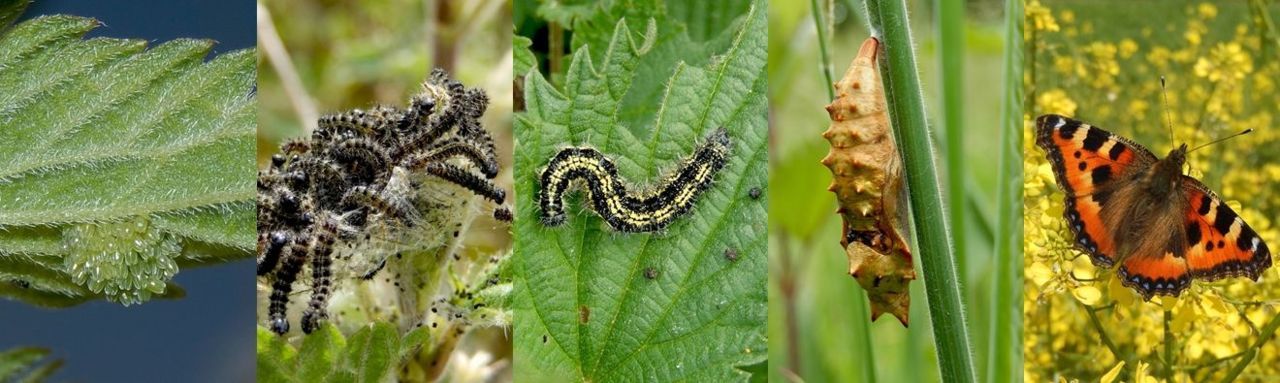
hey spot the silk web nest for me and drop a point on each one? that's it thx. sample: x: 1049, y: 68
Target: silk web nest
x: 364, y: 179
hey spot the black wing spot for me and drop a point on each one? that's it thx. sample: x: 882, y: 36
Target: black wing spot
x: 1245, y: 240
x: 1204, y: 205
x: 1101, y: 174
x: 1193, y: 233
x: 1068, y: 130
x: 1094, y: 139
x: 1101, y: 197
x: 1224, y: 219
x: 1116, y: 150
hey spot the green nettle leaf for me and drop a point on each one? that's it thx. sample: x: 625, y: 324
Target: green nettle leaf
x: 10, y: 10
x: 22, y: 364
x: 564, y: 12
x: 687, y: 302
x: 524, y: 59
x: 375, y: 349
x: 371, y: 354
x: 119, y: 164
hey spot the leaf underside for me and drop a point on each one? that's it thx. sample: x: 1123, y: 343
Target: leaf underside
x: 102, y: 130
x: 26, y: 364
x: 586, y: 307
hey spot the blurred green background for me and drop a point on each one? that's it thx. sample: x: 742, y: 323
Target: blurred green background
x: 818, y: 330
x: 326, y: 56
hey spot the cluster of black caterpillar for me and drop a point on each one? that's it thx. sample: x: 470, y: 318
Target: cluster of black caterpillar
x: 352, y: 171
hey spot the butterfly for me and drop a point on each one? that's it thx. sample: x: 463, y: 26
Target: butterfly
x: 1127, y: 207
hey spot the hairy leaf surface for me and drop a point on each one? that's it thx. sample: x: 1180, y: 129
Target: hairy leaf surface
x: 99, y: 132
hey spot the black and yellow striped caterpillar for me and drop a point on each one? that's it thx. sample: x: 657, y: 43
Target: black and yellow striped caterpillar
x: 610, y: 196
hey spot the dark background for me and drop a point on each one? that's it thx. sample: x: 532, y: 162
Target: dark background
x: 208, y: 336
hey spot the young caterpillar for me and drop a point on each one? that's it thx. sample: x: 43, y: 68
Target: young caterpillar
x: 868, y: 186
x: 609, y: 197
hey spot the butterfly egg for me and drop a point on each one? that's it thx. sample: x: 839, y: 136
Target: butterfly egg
x: 126, y: 261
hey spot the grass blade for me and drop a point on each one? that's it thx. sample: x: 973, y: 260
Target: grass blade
x: 821, y: 24
x: 1005, y: 354
x: 951, y: 58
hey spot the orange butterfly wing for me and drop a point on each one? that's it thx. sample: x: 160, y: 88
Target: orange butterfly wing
x: 1166, y: 274
x: 1221, y: 244
x: 1085, y: 160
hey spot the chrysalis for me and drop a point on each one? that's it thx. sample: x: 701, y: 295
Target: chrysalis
x: 868, y: 185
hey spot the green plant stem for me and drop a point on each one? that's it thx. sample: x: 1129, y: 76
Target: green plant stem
x: 951, y: 58
x: 444, y: 49
x: 1168, y: 346
x: 1267, y: 333
x: 888, y: 20
x: 1264, y: 17
x: 1029, y: 65
x: 1102, y: 333
x: 787, y: 285
x: 555, y: 49
x: 863, y: 330
x: 982, y: 211
x: 1004, y: 355
x: 821, y: 26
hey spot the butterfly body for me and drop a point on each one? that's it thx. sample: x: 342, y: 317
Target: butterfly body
x: 1128, y: 208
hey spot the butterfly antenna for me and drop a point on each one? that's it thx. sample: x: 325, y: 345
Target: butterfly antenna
x: 1244, y: 132
x: 1168, y: 118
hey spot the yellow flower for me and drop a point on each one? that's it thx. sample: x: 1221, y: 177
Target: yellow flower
x: 1056, y: 101
x: 1141, y: 375
x: 1207, y: 10
x: 1064, y: 65
x: 1068, y: 16
x: 1111, y: 375
x: 1195, y: 29
x: 1039, y: 273
x: 1082, y: 268
x: 1123, y: 296
x: 1103, y: 62
x: 1160, y: 57
x: 1183, y: 317
x: 1226, y: 62
x: 1088, y: 295
x: 1040, y: 18
x: 1138, y: 109
x: 1128, y: 47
